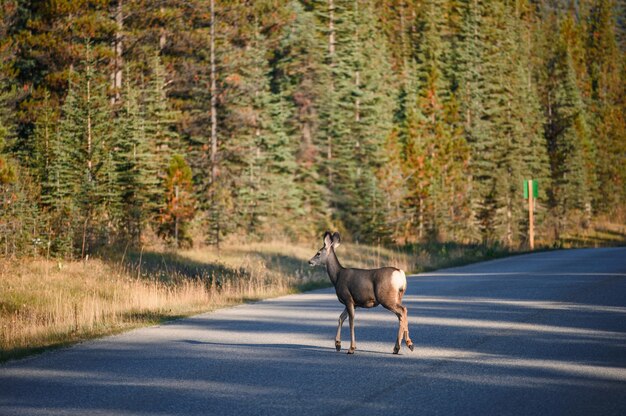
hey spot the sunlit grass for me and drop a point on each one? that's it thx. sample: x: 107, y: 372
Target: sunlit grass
x: 50, y: 303
x: 46, y: 303
x: 599, y: 234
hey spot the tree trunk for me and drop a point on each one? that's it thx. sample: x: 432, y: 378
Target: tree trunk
x: 116, y: 74
x: 89, y: 133
x: 163, y: 35
x: 213, y: 98
x: 331, y: 54
x: 215, y: 217
x: 175, y: 216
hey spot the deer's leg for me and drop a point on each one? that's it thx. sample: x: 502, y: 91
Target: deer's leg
x: 407, y: 340
x: 400, y: 311
x: 350, y: 309
x: 400, y: 314
x: 342, y: 318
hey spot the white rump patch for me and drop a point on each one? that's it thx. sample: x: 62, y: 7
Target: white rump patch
x: 398, y: 280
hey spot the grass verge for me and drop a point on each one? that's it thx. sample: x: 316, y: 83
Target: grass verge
x: 49, y: 304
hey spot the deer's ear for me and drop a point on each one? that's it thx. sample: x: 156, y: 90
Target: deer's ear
x: 328, y: 240
x: 336, y: 240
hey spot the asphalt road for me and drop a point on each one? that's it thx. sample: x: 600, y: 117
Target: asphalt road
x: 540, y: 334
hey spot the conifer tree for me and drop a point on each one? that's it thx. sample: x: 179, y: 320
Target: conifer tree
x: 136, y: 165
x: 398, y: 120
x: 298, y: 76
x: 60, y: 179
x: 433, y: 138
x: 392, y: 185
x: 607, y: 76
x: 8, y: 73
x: 81, y: 188
x: 356, y: 112
x: 160, y: 119
x: 99, y: 194
x: 472, y: 93
x: 179, y: 203
x: 528, y: 117
x: 566, y: 133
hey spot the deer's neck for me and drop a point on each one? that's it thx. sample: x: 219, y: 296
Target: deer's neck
x: 333, y: 267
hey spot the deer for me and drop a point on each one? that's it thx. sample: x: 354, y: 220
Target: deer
x: 364, y: 288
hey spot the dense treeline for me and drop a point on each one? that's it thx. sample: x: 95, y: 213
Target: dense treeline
x: 395, y: 120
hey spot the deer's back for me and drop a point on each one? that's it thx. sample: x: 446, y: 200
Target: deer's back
x: 369, y: 287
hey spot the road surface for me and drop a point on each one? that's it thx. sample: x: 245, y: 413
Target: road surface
x: 540, y: 334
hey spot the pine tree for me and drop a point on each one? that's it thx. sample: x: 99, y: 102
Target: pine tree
x: 566, y: 133
x: 137, y: 168
x: 528, y: 116
x: 99, y: 194
x: 51, y: 40
x: 158, y: 138
x: 472, y: 95
x: 434, y: 145
x: 160, y: 119
x: 81, y: 190
x: 501, y: 114
x: 607, y: 76
x: 180, y: 206
x: 374, y: 92
x: 356, y: 113
x: 61, y: 178
x: 281, y: 199
x: 392, y: 185
x: 298, y: 74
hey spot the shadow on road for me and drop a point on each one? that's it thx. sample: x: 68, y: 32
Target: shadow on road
x: 501, y: 342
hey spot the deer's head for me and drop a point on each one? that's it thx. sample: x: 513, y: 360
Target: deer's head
x: 330, y: 241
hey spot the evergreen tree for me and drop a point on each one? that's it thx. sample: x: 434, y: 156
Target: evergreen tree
x: 298, y: 74
x: 392, y: 184
x: 433, y: 139
x: 81, y: 189
x: 399, y: 120
x: 99, y: 194
x: 501, y: 113
x: 61, y: 185
x: 51, y: 40
x: 472, y: 95
x: 529, y: 118
x: 160, y: 119
x: 566, y: 133
x: 179, y: 207
x: 607, y: 76
x: 356, y: 114
x: 158, y: 132
x: 137, y: 168
x: 281, y: 200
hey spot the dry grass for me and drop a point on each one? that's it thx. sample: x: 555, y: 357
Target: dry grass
x: 601, y: 233
x: 45, y: 304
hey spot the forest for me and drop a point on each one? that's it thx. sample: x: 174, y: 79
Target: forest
x: 392, y: 121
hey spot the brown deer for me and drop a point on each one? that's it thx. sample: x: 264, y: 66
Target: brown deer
x: 364, y: 289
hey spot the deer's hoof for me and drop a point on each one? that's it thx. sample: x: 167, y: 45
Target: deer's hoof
x: 396, y: 350
x: 351, y: 351
x: 338, y: 345
x: 411, y: 346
